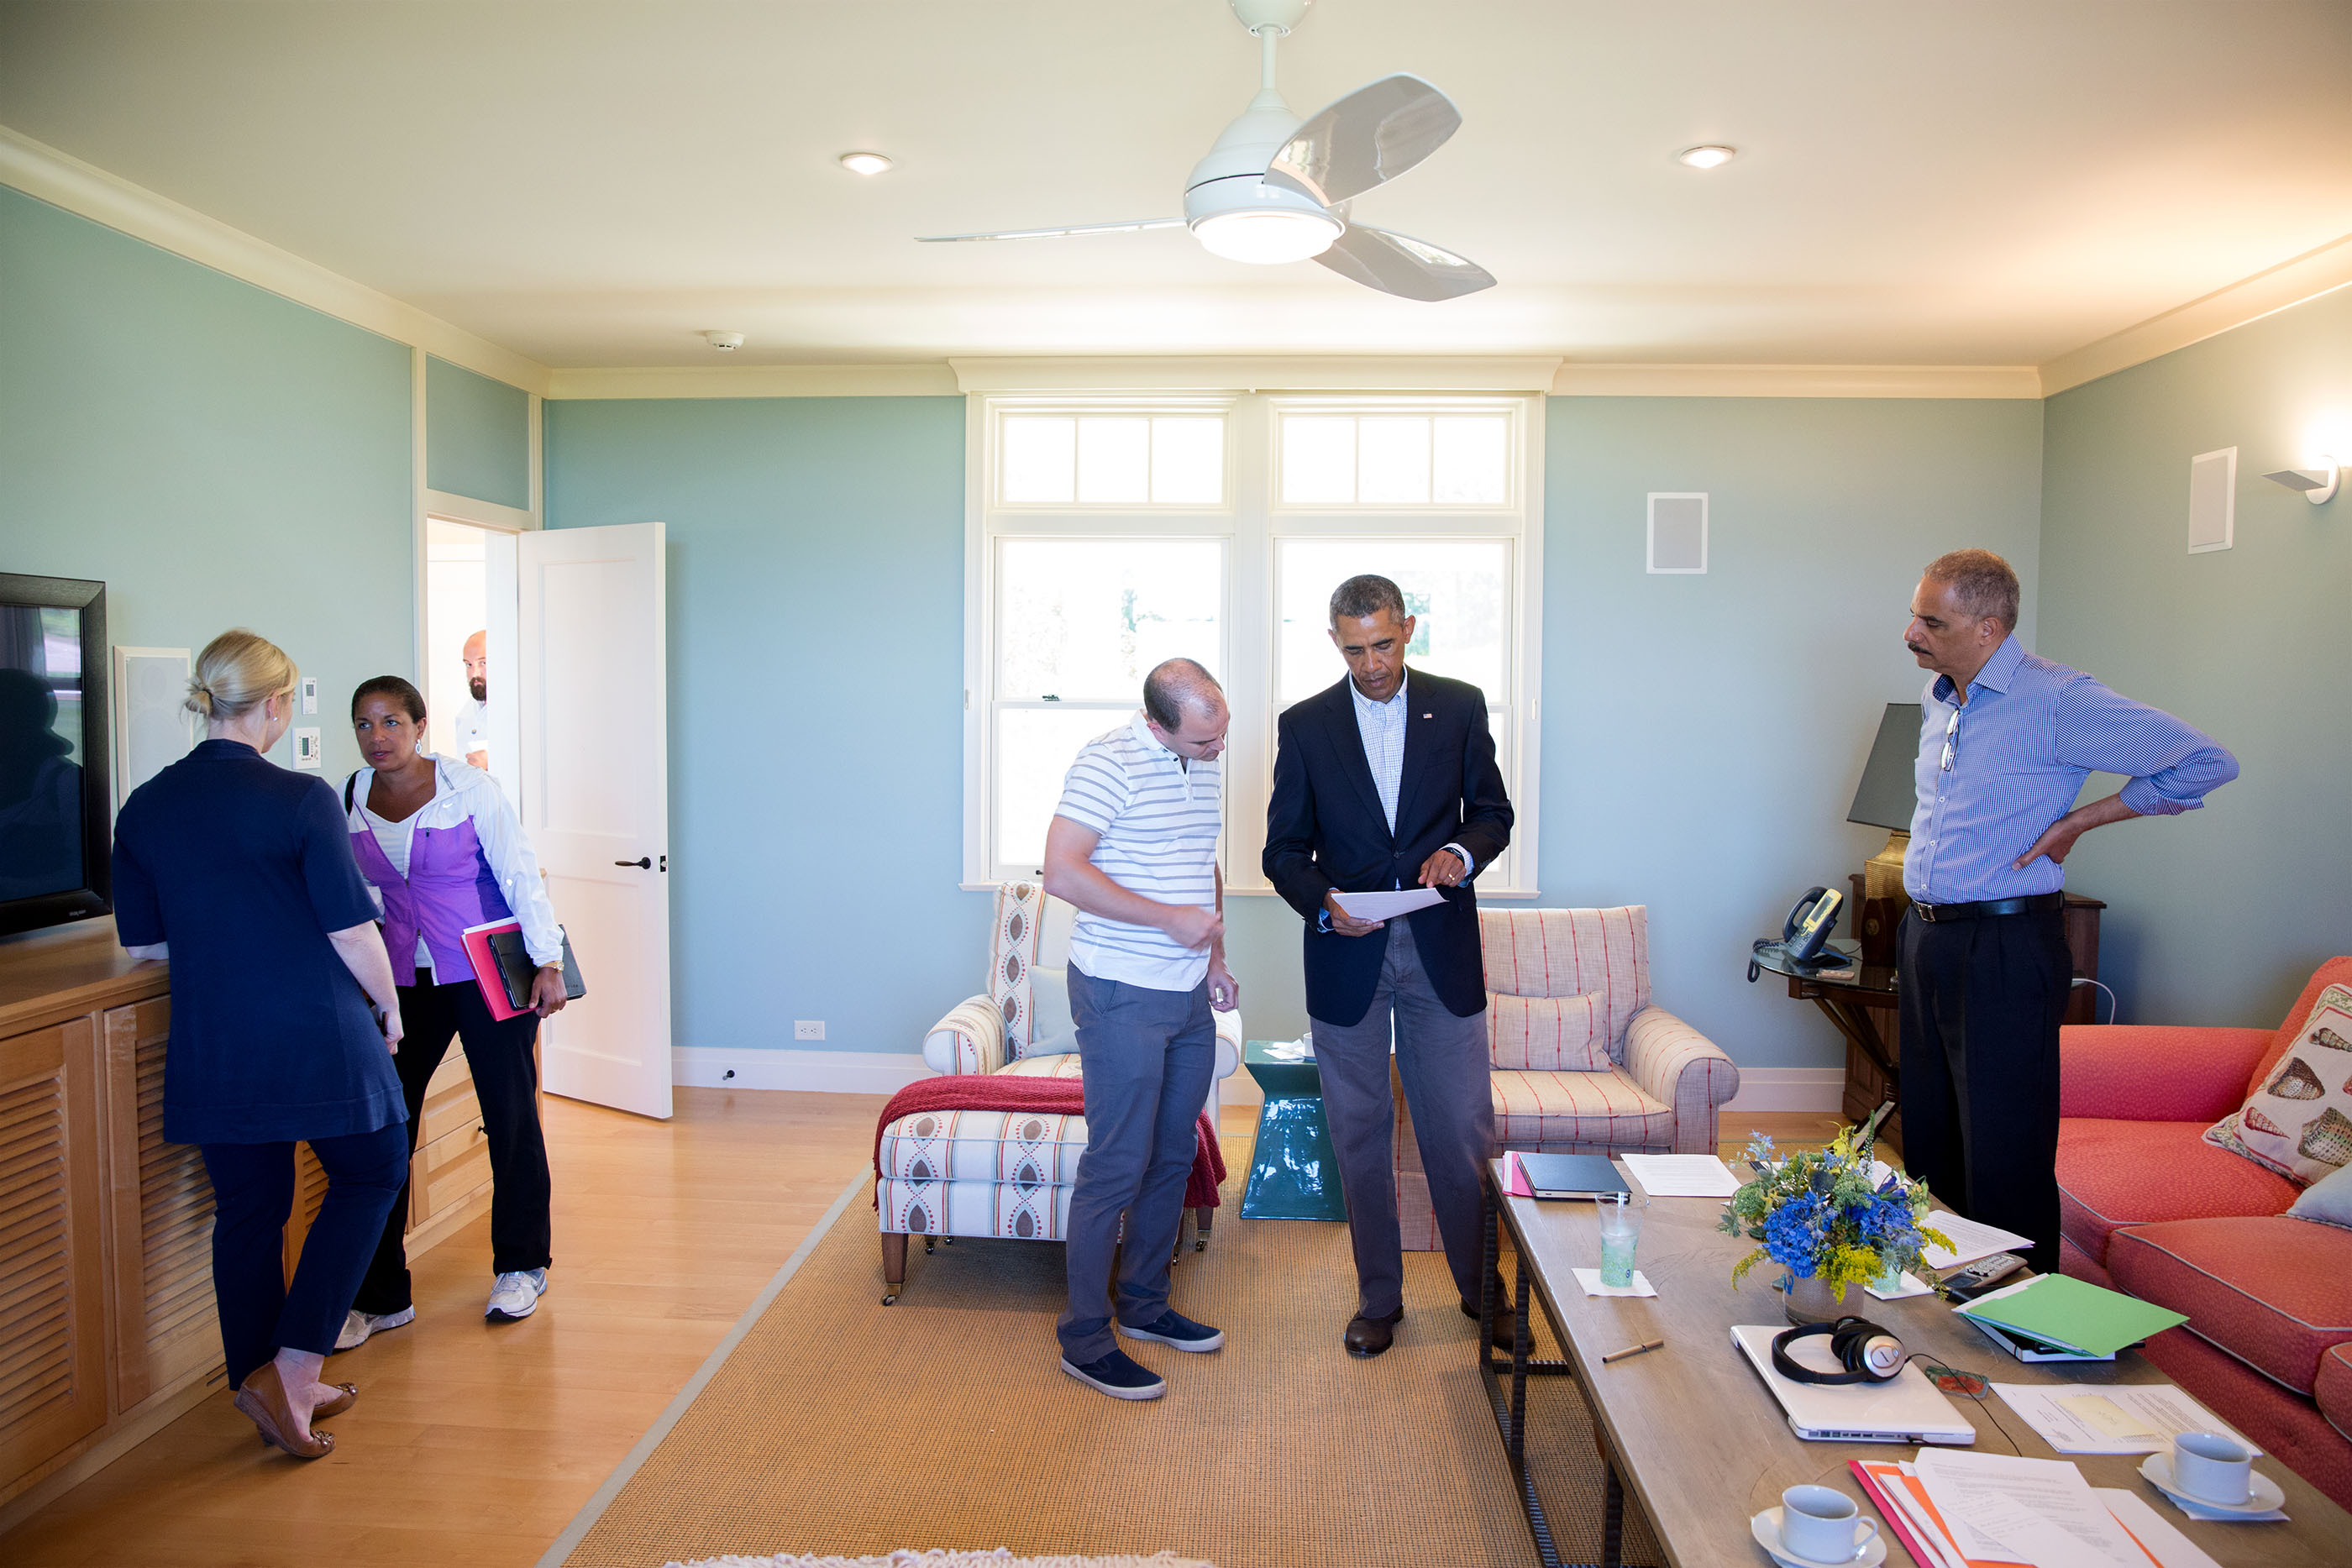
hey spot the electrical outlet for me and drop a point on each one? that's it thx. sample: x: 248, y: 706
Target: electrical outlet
x: 808, y: 1029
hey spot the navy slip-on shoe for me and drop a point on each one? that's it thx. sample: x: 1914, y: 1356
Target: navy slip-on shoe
x: 1118, y: 1377
x: 1173, y: 1328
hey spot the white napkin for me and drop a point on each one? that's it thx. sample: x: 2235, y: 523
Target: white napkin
x: 1591, y: 1279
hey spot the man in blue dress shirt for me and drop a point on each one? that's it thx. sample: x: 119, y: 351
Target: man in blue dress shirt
x: 2005, y: 742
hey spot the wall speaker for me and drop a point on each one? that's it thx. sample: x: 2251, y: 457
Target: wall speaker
x: 2212, y: 500
x: 152, y: 725
x: 1678, y: 532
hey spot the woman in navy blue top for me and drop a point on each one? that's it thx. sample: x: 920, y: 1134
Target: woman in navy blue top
x: 241, y: 873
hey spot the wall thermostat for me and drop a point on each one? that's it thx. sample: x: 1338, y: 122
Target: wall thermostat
x: 309, y: 693
x: 305, y: 750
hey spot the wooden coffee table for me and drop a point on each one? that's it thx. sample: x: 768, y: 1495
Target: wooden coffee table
x: 1704, y: 1446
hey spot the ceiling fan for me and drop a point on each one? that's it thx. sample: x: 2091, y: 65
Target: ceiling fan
x: 1275, y: 188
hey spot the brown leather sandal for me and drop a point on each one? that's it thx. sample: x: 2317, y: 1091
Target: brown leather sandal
x: 262, y: 1397
x: 346, y: 1396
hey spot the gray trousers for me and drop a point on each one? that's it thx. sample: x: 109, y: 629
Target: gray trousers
x: 1148, y: 1058
x: 1442, y: 1063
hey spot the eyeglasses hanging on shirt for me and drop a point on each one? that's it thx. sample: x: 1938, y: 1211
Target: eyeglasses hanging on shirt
x: 1951, y: 739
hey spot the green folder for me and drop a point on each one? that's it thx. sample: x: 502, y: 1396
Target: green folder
x: 2068, y: 1313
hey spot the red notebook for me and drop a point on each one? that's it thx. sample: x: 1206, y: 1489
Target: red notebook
x: 476, y: 939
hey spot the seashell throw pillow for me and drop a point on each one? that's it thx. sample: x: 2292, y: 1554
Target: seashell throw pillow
x: 2299, y: 1122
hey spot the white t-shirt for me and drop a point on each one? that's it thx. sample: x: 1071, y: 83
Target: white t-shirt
x: 1159, y: 816
x: 395, y: 840
x: 473, y: 728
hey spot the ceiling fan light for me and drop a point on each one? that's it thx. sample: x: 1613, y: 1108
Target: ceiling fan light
x: 1714, y: 155
x: 1266, y: 237
x: 865, y: 162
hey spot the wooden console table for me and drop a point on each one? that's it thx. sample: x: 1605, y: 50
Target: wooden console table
x: 106, y: 1251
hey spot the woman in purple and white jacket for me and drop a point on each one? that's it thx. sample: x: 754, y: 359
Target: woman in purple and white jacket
x: 443, y: 851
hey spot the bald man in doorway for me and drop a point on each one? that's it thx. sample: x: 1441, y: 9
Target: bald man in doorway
x: 474, y: 718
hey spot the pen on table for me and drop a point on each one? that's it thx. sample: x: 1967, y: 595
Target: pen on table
x: 1631, y: 1350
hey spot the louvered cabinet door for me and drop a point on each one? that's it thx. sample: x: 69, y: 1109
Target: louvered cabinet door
x: 309, y: 1192
x: 166, y: 1330
x: 52, y: 1271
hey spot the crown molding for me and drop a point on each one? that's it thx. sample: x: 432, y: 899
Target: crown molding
x: 1217, y: 372
x: 1797, y: 381
x: 2289, y: 283
x: 87, y: 191
x: 932, y: 379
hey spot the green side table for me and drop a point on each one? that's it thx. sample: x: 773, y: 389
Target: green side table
x: 1293, y: 1174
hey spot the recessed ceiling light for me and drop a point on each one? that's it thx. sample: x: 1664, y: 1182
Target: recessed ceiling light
x: 1712, y: 156
x: 865, y: 162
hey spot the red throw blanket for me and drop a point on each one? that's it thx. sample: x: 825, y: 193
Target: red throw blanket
x: 1051, y: 1096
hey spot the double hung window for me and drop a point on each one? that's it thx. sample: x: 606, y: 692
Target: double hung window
x: 1110, y: 533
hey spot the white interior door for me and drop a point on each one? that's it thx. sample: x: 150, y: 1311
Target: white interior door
x: 595, y: 776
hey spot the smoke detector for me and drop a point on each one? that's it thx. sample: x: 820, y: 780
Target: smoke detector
x: 725, y: 342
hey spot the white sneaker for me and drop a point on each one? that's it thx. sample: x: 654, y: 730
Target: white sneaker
x: 358, y: 1325
x: 515, y: 1296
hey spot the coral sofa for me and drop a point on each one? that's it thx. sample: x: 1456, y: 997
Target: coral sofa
x: 2150, y: 1208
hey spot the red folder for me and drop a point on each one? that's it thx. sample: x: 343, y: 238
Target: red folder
x: 476, y: 939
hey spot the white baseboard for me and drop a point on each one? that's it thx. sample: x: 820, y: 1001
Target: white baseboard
x: 821, y: 1072
x: 1789, y: 1089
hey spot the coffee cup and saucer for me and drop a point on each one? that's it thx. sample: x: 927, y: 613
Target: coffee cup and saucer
x: 2212, y: 1473
x: 1818, y: 1527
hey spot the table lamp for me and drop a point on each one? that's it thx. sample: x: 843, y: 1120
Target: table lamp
x: 1885, y: 798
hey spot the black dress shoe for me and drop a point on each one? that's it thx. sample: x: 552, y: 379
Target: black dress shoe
x: 1503, y: 1322
x: 1370, y: 1336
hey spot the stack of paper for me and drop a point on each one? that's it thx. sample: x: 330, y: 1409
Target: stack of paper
x: 2073, y: 1315
x: 2120, y: 1418
x: 1957, y: 1509
x: 1682, y: 1176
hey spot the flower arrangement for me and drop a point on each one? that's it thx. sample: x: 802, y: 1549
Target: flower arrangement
x: 1818, y: 1214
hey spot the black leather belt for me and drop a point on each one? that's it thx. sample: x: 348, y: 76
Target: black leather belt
x: 2039, y: 903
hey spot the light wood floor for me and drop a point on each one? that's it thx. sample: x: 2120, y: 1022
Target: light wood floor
x: 473, y: 1445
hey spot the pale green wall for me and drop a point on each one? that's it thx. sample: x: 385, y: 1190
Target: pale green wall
x: 2219, y: 915
x: 477, y: 435
x: 217, y: 455
x: 815, y: 702
x: 1703, y: 734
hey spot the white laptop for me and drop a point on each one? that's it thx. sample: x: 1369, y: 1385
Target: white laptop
x: 1910, y: 1409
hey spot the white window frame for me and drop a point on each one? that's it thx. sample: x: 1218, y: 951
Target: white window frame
x: 1252, y: 523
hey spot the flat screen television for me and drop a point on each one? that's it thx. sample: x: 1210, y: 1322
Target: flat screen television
x: 56, y: 843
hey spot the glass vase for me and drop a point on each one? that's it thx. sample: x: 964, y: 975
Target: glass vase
x: 1811, y: 1301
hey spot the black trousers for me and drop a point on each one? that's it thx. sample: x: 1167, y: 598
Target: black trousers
x: 498, y: 1053
x: 253, y: 1197
x: 1980, y: 1005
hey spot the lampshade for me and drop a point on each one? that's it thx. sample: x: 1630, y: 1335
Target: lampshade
x: 1889, y: 788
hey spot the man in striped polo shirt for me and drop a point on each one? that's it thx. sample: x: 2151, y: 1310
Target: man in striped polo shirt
x: 1133, y: 845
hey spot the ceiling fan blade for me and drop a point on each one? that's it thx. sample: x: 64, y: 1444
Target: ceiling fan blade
x: 1133, y: 227
x: 1406, y: 267
x: 1366, y: 139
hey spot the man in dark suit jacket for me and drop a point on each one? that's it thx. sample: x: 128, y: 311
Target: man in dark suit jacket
x: 1388, y: 780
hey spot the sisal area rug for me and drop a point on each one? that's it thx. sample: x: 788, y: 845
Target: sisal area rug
x: 948, y: 1560
x: 838, y: 1426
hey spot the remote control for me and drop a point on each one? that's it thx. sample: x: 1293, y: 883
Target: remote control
x: 1980, y: 1276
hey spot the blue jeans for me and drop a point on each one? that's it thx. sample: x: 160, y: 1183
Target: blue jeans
x: 253, y: 1195
x: 1147, y: 1057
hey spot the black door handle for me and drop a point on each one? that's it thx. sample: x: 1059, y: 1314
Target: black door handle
x: 643, y: 862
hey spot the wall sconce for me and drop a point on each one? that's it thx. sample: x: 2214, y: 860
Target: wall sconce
x: 2317, y: 484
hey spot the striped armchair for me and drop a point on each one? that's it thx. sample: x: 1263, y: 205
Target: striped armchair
x: 1582, y: 1062
x: 1003, y: 1173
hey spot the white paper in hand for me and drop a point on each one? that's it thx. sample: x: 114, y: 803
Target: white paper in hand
x: 1387, y: 906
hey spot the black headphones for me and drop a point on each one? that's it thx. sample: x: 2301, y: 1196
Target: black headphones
x: 1867, y: 1353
